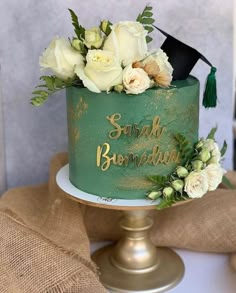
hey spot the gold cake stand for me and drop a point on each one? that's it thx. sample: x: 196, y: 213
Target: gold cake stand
x: 133, y: 264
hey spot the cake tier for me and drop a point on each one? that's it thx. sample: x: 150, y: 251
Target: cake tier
x: 117, y: 140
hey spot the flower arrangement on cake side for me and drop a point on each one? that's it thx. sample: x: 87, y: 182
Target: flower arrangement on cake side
x: 105, y: 58
x: 202, y: 172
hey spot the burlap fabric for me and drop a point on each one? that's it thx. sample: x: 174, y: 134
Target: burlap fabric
x: 44, y: 245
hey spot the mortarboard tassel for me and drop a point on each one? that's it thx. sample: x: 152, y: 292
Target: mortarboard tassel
x: 210, y: 94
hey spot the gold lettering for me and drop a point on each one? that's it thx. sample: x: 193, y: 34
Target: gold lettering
x: 145, y: 131
x: 157, y: 130
x: 105, y: 159
x: 103, y: 154
x: 115, y: 133
x: 133, y: 130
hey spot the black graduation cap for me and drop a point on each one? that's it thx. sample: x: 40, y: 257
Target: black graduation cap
x: 183, y: 58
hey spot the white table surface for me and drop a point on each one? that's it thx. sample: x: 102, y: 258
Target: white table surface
x: 204, y: 272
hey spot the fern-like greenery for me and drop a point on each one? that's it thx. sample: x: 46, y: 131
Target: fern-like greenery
x: 51, y: 85
x: 78, y: 29
x: 185, y: 148
x: 146, y: 19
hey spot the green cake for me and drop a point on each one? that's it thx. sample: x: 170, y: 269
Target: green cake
x: 133, y: 112
x: 116, y: 141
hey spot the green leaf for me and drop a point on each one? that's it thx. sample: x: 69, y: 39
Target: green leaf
x: 149, y: 28
x: 148, y: 20
x: 159, y: 180
x: 227, y: 183
x: 79, y: 30
x: 105, y: 27
x: 148, y: 14
x: 185, y: 147
x: 49, y: 82
x: 148, y: 39
x: 145, y: 18
x: 224, y: 149
x: 211, y: 135
x: 165, y: 203
x: 51, y: 85
x: 38, y: 92
x: 58, y: 83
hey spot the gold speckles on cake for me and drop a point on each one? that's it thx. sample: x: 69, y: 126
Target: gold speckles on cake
x: 73, y: 135
x: 75, y: 112
x: 129, y: 183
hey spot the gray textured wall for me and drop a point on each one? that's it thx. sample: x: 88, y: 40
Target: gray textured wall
x: 33, y: 135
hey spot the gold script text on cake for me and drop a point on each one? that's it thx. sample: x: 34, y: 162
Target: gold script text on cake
x: 105, y: 158
x: 147, y: 130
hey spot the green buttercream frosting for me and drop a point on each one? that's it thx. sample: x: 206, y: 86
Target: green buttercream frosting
x: 117, y: 140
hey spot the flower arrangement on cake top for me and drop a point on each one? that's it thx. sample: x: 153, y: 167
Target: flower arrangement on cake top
x: 105, y: 58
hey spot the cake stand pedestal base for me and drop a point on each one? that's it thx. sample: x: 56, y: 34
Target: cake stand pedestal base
x: 134, y: 264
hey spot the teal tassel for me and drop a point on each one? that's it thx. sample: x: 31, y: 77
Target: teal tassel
x: 210, y: 94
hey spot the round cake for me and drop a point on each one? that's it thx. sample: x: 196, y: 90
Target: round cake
x: 117, y: 140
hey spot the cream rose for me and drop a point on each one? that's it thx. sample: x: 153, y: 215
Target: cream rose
x: 135, y: 80
x: 214, y: 174
x: 60, y: 57
x: 196, y: 184
x: 164, y: 70
x: 128, y: 40
x: 101, y: 72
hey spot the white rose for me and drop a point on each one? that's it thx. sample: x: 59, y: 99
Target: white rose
x: 163, y: 76
x: 101, y: 72
x: 135, y: 80
x: 61, y: 58
x: 214, y: 174
x: 196, y: 184
x: 213, y: 148
x: 128, y: 40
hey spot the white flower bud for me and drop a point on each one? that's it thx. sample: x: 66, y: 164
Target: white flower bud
x: 182, y: 172
x: 93, y: 38
x: 105, y: 26
x: 154, y: 194
x: 178, y: 185
x: 197, y: 164
x: 204, y: 155
x: 168, y: 191
x: 199, y: 145
x: 77, y: 45
x: 119, y: 88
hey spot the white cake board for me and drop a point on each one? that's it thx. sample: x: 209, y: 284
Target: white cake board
x: 64, y: 183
